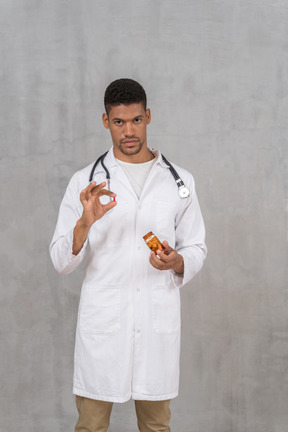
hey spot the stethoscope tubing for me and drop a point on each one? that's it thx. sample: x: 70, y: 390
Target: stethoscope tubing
x: 101, y: 158
x: 182, y: 189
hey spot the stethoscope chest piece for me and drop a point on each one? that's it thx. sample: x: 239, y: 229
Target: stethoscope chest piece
x: 183, y: 192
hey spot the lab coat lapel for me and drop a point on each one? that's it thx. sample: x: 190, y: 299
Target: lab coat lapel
x: 152, y: 177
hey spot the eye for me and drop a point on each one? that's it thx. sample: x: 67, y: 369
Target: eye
x: 137, y: 120
x: 118, y: 122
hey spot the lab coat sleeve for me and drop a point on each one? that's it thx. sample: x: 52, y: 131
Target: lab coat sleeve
x: 190, y: 238
x: 61, y: 246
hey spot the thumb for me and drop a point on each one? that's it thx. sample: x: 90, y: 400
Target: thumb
x: 165, y: 244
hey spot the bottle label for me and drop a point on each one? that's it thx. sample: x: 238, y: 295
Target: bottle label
x: 149, y: 238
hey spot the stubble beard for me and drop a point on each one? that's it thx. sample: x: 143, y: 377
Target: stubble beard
x: 131, y: 151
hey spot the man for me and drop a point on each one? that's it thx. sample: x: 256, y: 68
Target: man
x: 128, y: 329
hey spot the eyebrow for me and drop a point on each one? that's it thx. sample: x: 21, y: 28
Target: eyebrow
x: 117, y: 118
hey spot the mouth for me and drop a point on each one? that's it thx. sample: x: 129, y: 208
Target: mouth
x: 130, y: 142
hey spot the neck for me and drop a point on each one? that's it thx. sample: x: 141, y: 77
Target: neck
x: 140, y: 157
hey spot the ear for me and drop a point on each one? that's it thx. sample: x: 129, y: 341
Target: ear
x: 148, y: 115
x: 105, y: 120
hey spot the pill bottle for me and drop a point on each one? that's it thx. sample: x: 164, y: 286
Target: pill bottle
x: 153, y: 242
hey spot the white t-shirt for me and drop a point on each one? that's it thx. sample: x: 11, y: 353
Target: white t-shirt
x: 137, y: 173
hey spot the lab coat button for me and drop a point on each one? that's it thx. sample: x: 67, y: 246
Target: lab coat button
x: 138, y: 289
x: 138, y: 330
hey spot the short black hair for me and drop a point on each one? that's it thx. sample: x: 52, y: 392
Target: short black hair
x: 124, y: 91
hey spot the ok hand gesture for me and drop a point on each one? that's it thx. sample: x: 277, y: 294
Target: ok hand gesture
x: 93, y: 209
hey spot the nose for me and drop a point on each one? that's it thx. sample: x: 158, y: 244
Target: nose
x: 129, y: 129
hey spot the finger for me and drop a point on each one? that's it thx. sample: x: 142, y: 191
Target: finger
x: 161, y: 255
x: 109, y: 206
x: 167, y: 255
x: 94, y: 188
x: 85, y: 193
x: 165, y: 244
x: 168, y: 248
x: 105, y: 192
x: 83, y: 196
x: 94, y: 185
x: 157, y: 263
x: 154, y: 261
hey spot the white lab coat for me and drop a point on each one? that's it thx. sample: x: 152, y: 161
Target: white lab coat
x: 128, y: 328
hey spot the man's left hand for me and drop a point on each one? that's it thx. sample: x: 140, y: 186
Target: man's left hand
x: 168, y: 260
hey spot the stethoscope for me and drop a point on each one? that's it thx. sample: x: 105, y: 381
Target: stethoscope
x: 183, y: 191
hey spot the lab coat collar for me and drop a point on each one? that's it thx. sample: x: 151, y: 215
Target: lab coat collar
x: 158, y: 156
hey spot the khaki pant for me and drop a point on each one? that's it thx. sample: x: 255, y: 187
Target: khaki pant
x: 94, y: 415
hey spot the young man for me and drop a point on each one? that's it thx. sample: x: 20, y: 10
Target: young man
x: 128, y: 329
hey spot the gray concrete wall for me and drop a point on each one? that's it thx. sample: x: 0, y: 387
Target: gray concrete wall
x: 216, y: 74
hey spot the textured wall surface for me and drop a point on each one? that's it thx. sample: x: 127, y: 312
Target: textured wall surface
x: 216, y: 75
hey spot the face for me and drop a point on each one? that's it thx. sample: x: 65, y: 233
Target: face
x: 128, y: 126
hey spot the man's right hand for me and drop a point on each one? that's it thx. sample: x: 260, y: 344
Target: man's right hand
x: 93, y: 210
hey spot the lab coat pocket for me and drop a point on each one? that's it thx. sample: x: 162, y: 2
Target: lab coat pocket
x: 166, y: 309
x: 100, y: 310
